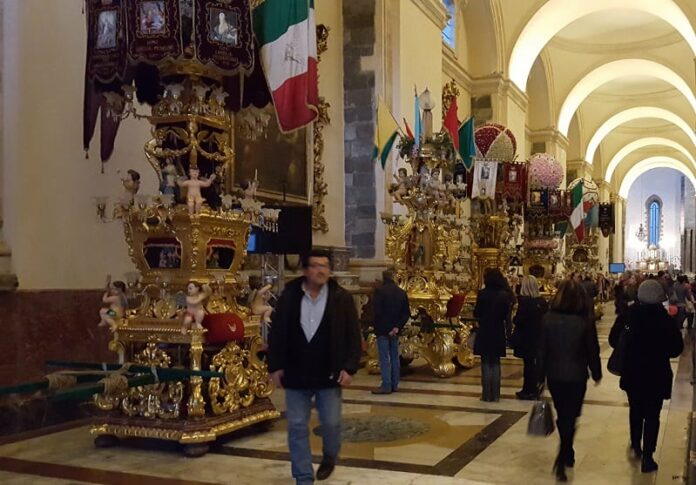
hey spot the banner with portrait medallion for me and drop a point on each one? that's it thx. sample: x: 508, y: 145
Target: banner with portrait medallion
x: 106, y: 41
x: 154, y: 30
x: 224, y: 35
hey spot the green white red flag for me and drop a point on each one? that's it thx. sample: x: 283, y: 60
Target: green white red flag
x: 286, y: 33
x: 577, y: 217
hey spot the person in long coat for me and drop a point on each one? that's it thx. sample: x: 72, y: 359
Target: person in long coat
x: 531, y: 307
x: 492, y: 309
x: 568, y: 348
x: 652, y: 338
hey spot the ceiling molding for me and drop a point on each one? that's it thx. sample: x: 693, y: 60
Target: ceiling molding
x: 638, y: 97
x: 549, y: 135
x: 581, y: 47
x: 503, y: 87
x: 435, y: 10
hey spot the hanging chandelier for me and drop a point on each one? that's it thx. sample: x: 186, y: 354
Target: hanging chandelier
x: 641, y: 234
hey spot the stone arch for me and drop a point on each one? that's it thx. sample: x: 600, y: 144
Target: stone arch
x: 540, y: 92
x: 484, y: 27
x: 554, y: 15
x: 615, y: 70
x: 631, y: 114
x: 642, y: 143
x: 648, y: 164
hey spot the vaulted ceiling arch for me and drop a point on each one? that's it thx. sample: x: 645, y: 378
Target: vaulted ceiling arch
x: 650, y: 163
x: 555, y: 15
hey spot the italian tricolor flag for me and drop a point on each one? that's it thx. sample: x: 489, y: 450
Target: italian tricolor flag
x: 577, y: 219
x: 286, y: 33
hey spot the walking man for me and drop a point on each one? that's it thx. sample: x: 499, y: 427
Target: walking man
x: 391, y: 314
x: 314, y: 350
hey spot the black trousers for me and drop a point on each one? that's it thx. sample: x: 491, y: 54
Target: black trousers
x: 567, y: 399
x: 644, y: 419
x: 529, y: 385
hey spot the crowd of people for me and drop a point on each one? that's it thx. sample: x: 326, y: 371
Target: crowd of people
x: 315, y: 347
x: 558, y: 343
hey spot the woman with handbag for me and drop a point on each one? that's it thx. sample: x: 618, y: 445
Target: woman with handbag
x: 652, y: 337
x: 530, y: 309
x: 492, y: 308
x: 568, y: 347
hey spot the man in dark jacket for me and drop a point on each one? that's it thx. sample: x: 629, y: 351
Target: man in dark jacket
x: 391, y: 314
x: 314, y: 350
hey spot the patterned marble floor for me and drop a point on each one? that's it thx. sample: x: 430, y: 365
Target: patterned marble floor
x: 434, y: 431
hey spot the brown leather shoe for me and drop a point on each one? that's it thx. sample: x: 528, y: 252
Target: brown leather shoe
x: 381, y: 391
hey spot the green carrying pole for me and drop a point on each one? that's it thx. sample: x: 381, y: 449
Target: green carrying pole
x: 136, y: 369
x: 43, y: 384
x: 88, y: 391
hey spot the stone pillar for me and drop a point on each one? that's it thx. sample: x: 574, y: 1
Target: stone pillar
x: 619, y: 235
x: 8, y: 280
x: 508, y: 103
x: 603, y: 242
x: 359, y: 116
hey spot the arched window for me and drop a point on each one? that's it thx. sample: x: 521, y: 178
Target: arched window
x: 448, y: 33
x: 654, y: 220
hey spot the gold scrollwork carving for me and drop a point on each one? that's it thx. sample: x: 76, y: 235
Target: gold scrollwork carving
x: 246, y: 378
x: 320, y: 188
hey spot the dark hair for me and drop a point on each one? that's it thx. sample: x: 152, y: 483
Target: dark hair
x: 120, y: 285
x: 570, y: 298
x: 681, y: 278
x: 660, y: 274
x: 316, y: 253
x: 134, y: 175
x: 388, y: 274
x: 494, y: 279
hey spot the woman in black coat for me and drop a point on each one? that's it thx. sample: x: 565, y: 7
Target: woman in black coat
x: 567, y: 349
x: 652, y: 338
x: 530, y: 309
x: 491, y: 310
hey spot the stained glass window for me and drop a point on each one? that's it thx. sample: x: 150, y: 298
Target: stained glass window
x: 654, y: 223
x: 448, y: 33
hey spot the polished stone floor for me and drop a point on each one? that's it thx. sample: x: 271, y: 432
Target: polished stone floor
x: 434, y: 431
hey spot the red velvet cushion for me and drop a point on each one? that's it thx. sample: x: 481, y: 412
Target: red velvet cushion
x: 454, y: 305
x: 223, y: 327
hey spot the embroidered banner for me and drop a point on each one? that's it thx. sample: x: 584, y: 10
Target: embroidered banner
x: 106, y: 41
x: 513, y: 185
x: 606, y: 218
x: 485, y: 174
x: 154, y: 30
x: 224, y: 35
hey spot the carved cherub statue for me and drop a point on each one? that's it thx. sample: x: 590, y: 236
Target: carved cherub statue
x: 131, y: 182
x: 115, y: 297
x: 217, y: 100
x: 258, y: 300
x: 195, y: 311
x: 194, y: 199
x: 172, y: 92
x: 400, y: 189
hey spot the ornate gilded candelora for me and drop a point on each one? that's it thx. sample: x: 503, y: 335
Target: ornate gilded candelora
x: 431, y: 260
x: 189, y: 241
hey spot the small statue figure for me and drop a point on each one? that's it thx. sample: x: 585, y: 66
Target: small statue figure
x: 400, y: 189
x: 258, y: 300
x: 115, y: 297
x: 168, y: 176
x: 217, y: 101
x: 249, y: 187
x: 195, y: 312
x: 131, y: 182
x: 194, y: 199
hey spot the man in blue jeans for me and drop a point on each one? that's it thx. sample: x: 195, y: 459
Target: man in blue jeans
x: 391, y: 314
x: 314, y: 350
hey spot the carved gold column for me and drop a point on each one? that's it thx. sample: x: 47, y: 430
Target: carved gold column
x: 196, y: 403
x: 320, y: 189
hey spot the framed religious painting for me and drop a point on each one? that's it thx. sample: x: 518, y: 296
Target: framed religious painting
x: 279, y: 161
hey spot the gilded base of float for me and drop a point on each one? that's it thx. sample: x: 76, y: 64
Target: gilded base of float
x: 443, y: 349
x: 185, y: 431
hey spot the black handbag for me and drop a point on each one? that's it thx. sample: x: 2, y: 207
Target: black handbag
x: 541, y: 419
x: 616, y: 359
